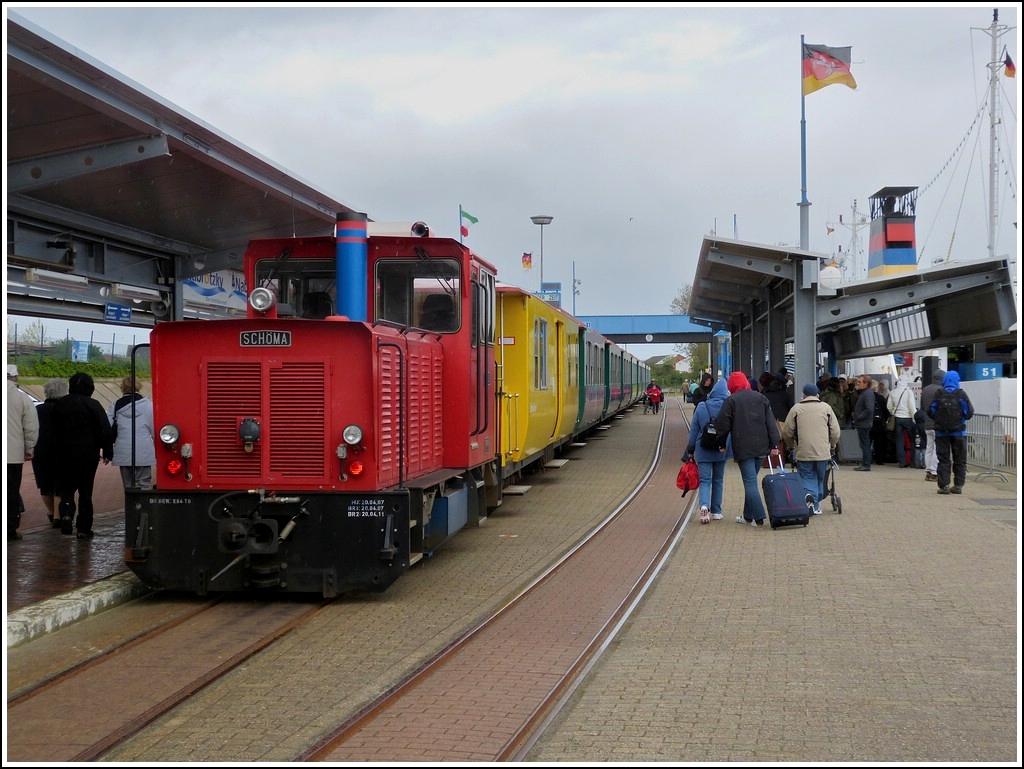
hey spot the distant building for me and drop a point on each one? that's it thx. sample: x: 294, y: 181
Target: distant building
x: 678, y: 362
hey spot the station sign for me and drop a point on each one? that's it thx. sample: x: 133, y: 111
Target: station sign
x: 117, y: 313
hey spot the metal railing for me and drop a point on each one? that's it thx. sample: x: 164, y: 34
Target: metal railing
x: 992, y: 445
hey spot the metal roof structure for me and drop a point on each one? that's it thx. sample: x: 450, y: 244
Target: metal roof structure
x: 739, y: 286
x: 136, y: 188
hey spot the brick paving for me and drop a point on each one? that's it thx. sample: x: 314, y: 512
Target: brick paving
x: 888, y: 633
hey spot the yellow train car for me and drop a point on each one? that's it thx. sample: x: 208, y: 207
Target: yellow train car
x: 537, y: 367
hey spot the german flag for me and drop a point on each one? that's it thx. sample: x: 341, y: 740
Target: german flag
x: 824, y: 66
x: 1008, y: 69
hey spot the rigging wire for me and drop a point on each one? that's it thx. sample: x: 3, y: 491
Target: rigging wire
x: 957, y: 156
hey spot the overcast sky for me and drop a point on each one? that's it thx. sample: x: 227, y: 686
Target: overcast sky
x: 639, y: 129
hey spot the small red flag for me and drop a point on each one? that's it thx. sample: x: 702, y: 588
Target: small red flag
x: 527, y: 261
x: 1008, y: 69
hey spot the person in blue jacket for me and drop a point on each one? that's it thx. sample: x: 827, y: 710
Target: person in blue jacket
x: 710, y: 463
x: 951, y: 444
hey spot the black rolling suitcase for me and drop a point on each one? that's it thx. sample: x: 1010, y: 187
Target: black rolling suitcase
x: 784, y: 497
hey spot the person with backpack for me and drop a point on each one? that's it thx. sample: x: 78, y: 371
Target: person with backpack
x: 704, y: 447
x: 949, y: 411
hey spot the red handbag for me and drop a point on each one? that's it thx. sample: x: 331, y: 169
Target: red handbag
x: 688, y: 478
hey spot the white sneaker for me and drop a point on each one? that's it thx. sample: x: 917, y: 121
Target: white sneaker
x: 741, y: 519
x: 817, y: 512
x: 717, y: 516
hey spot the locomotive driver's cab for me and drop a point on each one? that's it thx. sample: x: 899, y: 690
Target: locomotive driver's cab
x: 423, y: 294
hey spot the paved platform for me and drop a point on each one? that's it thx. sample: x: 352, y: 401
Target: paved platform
x: 888, y: 633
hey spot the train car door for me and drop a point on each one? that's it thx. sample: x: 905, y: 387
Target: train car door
x: 481, y: 360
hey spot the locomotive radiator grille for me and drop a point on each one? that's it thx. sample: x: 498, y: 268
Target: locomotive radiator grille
x: 387, y: 425
x: 419, y: 446
x: 425, y: 422
x: 292, y: 440
x: 232, y: 389
x: 297, y: 424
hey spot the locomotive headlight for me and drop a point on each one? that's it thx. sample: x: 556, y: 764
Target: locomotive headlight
x: 352, y: 435
x: 169, y: 435
x: 261, y: 299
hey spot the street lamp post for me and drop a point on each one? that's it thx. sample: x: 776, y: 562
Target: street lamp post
x: 541, y: 220
x: 575, y: 287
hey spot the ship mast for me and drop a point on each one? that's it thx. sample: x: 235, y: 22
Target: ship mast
x: 995, y: 31
x: 855, y: 269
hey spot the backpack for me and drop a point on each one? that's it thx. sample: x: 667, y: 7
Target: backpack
x: 949, y: 416
x: 709, y: 436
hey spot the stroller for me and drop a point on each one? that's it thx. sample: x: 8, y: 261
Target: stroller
x: 830, y: 485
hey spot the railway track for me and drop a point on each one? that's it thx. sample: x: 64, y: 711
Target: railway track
x: 500, y: 665
x: 488, y: 696
x: 117, y: 688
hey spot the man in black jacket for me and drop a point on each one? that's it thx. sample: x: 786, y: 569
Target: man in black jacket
x: 864, y: 419
x: 747, y: 416
x: 81, y: 435
x: 931, y: 459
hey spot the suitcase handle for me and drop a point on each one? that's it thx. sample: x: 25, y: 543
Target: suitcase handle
x: 771, y: 467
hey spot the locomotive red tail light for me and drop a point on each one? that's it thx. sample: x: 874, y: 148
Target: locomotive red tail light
x: 174, y: 467
x: 355, y: 468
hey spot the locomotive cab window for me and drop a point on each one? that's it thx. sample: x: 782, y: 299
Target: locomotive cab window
x: 304, y: 287
x: 421, y: 293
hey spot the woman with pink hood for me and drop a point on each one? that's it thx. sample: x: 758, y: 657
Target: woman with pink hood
x: 747, y: 417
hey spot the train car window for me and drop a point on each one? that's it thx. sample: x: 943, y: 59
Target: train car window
x: 540, y: 354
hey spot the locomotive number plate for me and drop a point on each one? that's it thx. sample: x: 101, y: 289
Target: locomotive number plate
x: 265, y: 339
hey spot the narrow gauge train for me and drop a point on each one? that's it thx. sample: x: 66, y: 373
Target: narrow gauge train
x: 379, y: 395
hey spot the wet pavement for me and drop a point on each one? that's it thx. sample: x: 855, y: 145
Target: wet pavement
x: 46, y: 563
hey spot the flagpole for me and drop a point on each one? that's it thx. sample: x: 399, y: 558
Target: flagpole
x: 460, y: 222
x: 803, y: 204
x: 805, y: 346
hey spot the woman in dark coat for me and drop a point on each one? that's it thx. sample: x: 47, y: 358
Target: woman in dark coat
x: 44, y: 460
x: 81, y: 435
